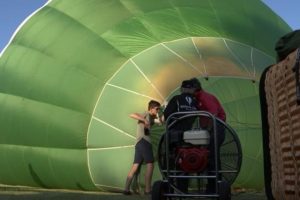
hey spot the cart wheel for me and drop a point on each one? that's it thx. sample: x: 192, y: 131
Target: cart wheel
x: 158, y: 190
x: 224, y: 190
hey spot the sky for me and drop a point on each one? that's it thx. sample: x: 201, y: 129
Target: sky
x: 14, y: 12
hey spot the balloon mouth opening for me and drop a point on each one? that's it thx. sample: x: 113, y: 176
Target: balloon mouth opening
x: 157, y: 73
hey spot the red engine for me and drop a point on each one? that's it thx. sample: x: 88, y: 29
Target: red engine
x: 192, y: 159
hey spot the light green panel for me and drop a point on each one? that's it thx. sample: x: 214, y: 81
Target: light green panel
x: 227, y: 19
x: 261, y: 61
x: 102, y: 136
x: 133, y: 43
x: 188, y: 51
x: 70, y: 167
x: 87, y: 46
x: 230, y: 89
x: 251, y: 143
x: 241, y: 110
x: 31, y: 81
x: 131, y: 78
x: 172, y: 16
x: 142, y: 7
x: 242, y: 55
x: 39, y: 167
x: 10, y: 172
x: 24, y: 122
x: 116, y: 170
x: 209, y: 25
x: 101, y: 11
x: 219, y: 60
x: 161, y: 22
x: 117, y: 115
x: 215, y: 12
x: 263, y: 40
x: 254, y: 169
x: 44, y: 167
x: 35, y: 87
x: 160, y: 64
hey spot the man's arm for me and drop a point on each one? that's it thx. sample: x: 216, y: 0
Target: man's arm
x: 140, y: 118
x: 171, y: 108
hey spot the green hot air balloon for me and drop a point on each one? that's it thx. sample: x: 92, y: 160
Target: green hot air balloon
x: 77, y: 68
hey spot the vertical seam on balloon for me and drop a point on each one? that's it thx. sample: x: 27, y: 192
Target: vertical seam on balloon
x: 183, y: 59
x: 200, y: 56
x: 54, y: 175
x: 252, y: 63
x: 130, y: 91
x: 144, y: 75
x: 236, y: 57
x: 216, y: 15
x: 143, y: 22
x: 56, y: 179
x: 113, y: 127
x: 180, y: 16
x: 9, y: 169
x: 23, y: 157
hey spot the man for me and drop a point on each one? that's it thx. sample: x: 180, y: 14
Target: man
x: 143, y: 147
x: 184, y: 102
x: 209, y: 103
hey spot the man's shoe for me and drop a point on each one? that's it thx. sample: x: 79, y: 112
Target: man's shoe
x: 126, y: 192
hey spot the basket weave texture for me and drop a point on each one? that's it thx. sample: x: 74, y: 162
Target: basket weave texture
x: 284, y: 132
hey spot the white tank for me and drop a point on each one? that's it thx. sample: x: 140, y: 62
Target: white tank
x: 197, y: 137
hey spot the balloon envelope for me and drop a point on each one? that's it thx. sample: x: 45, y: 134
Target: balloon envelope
x: 77, y: 69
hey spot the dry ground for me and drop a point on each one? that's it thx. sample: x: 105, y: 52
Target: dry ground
x: 18, y: 193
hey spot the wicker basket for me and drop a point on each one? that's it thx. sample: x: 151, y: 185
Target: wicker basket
x: 284, y: 129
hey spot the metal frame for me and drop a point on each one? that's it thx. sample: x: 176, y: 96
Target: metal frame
x: 168, y: 174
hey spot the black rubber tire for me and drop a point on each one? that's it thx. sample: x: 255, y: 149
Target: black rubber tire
x: 158, y: 190
x: 224, y: 190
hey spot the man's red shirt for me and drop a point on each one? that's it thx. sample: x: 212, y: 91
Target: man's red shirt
x: 208, y: 102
